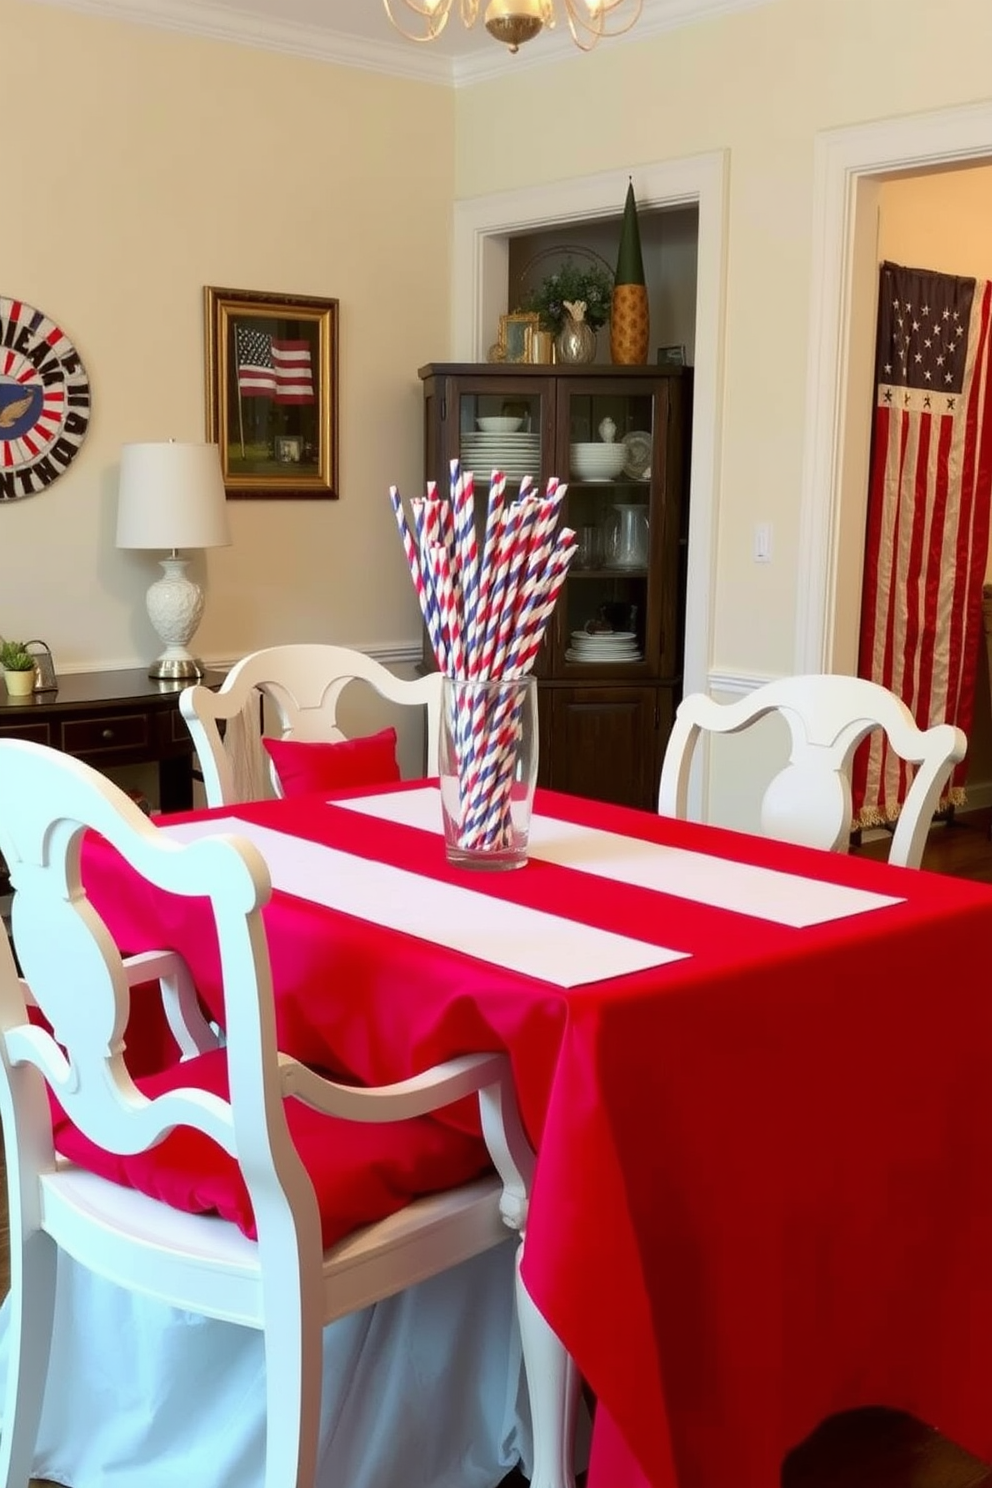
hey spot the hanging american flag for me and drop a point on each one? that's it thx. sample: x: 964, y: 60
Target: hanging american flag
x: 928, y: 515
x: 293, y: 371
x: 256, y: 374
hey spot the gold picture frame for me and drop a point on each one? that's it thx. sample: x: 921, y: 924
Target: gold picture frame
x: 272, y: 393
x: 514, y: 338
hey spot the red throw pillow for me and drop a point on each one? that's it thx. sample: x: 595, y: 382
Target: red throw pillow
x: 304, y: 767
x: 361, y: 1171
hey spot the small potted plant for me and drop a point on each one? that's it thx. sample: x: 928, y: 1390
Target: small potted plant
x: 18, y: 668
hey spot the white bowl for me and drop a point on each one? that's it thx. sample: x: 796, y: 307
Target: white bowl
x: 499, y: 425
x: 597, y: 461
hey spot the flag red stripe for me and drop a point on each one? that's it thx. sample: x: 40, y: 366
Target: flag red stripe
x: 977, y: 480
x: 892, y: 493
x: 871, y: 581
x: 933, y: 504
x: 291, y: 361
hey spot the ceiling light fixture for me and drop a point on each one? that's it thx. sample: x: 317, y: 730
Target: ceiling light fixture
x: 515, y: 21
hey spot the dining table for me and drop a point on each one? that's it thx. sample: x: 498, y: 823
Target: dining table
x: 757, y: 1078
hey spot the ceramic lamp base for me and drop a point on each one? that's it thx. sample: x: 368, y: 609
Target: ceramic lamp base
x: 175, y: 605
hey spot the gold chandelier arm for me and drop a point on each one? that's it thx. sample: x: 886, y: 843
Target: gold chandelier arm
x: 588, y: 20
x: 434, y: 12
x: 513, y: 23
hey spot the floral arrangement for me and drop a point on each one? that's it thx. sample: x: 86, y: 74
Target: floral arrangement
x: 568, y: 283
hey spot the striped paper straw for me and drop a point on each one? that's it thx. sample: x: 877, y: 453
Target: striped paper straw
x: 486, y: 610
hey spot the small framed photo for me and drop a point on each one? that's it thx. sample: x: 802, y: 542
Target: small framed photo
x: 514, y: 337
x: 289, y: 449
x: 272, y: 393
x: 671, y: 356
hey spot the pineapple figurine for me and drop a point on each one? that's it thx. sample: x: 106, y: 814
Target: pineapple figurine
x: 630, y: 326
x: 576, y: 340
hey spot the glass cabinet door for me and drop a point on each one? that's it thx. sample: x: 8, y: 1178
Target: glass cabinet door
x: 502, y: 428
x: 608, y: 615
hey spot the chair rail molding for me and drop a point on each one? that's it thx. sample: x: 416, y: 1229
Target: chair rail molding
x: 847, y: 162
x: 482, y: 226
x: 390, y: 653
x: 737, y: 684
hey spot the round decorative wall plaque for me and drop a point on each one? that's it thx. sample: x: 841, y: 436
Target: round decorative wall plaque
x: 44, y: 400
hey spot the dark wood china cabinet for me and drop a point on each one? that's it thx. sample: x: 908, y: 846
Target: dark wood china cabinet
x: 610, y: 670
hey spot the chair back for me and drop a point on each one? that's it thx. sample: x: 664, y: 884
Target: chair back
x: 68, y: 1032
x: 809, y: 801
x: 290, y: 692
x: 81, y: 986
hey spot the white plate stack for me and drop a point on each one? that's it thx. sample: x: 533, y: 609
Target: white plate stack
x: 601, y: 646
x: 515, y: 454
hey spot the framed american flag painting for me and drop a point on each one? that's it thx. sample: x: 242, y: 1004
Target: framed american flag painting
x: 272, y: 393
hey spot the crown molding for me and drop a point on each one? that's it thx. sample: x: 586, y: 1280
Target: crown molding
x: 237, y: 27
x: 397, y: 59
x: 480, y: 66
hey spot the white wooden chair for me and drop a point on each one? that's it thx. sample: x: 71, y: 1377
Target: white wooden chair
x: 809, y: 801
x: 284, y: 1282
x: 300, y: 686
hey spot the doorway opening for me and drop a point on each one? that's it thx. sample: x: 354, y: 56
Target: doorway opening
x: 854, y: 168
x: 484, y: 228
x: 851, y: 166
x: 669, y: 241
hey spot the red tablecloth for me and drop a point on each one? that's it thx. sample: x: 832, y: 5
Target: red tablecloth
x: 764, y: 1183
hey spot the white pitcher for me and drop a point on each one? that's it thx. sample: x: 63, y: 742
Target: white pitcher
x: 627, y: 544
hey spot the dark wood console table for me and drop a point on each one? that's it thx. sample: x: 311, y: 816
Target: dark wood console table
x: 112, y: 718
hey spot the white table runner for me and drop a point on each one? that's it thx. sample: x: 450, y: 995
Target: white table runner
x: 763, y: 893
x: 560, y: 951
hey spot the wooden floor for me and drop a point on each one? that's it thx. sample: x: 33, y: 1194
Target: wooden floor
x: 962, y: 846
x: 862, y: 1449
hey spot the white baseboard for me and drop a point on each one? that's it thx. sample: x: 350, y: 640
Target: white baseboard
x: 978, y: 795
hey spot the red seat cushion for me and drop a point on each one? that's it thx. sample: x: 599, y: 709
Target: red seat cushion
x: 361, y: 1171
x: 304, y: 767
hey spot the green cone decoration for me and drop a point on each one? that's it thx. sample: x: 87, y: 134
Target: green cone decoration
x: 630, y: 327
x: 630, y: 265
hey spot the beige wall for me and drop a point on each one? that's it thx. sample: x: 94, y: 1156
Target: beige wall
x: 141, y: 165
x: 760, y: 84
x: 941, y: 220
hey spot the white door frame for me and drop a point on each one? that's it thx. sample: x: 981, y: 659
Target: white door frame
x: 482, y: 226
x: 848, y: 163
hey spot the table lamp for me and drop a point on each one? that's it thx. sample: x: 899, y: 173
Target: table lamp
x: 172, y: 496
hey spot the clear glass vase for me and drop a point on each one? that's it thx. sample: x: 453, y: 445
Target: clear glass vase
x: 576, y: 341
x: 488, y: 769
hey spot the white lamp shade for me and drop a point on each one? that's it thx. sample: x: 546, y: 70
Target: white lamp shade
x: 171, y: 496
